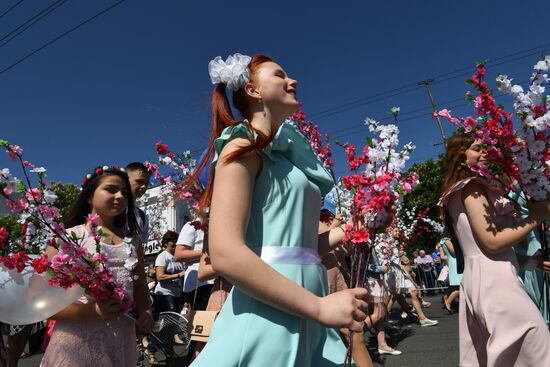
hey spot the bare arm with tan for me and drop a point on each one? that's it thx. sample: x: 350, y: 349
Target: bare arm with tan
x: 481, y: 216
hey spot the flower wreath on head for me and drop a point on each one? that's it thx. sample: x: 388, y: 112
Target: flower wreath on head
x: 233, y: 72
x: 99, y: 170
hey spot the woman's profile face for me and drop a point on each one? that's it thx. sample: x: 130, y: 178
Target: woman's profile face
x: 475, y: 154
x: 276, y: 88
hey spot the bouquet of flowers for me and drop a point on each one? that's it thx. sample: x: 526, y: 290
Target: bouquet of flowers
x: 376, y: 182
x: 493, y: 127
x: 321, y: 147
x: 532, y: 150
x: 33, y: 286
x: 175, y: 185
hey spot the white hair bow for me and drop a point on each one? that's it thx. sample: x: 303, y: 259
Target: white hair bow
x: 233, y: 72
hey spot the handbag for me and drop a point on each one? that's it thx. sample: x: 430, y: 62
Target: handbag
x: 444, y: 274
x: 202, y: 322
x: 201, y: 325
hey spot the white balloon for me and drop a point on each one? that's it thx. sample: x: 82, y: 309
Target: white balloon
x: 27, y: 297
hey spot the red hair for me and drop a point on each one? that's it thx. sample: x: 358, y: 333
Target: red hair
x: 222, y: 117
x: 456, y: 169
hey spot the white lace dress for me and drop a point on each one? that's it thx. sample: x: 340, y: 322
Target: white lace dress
x: 102, y: 343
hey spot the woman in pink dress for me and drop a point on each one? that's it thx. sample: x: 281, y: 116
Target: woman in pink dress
x: 499, y: 324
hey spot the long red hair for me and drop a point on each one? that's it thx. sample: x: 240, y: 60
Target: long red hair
x: 456, y: 168
x: 222, y: 117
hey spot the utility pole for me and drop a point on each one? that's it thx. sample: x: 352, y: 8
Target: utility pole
x: 435, y: 115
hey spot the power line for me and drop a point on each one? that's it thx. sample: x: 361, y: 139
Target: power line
x: 30, y: 22
x: 363, y: 99
x: 61, y: 36
x: 11, y: 8
x: 411, y: 87
x: 426, y: 113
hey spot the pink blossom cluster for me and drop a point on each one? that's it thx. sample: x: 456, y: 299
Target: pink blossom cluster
x: 321, y: 145
x: 174, y: 188
x: 375, y: 181
x: 41, y: 226
x: 493, y: 128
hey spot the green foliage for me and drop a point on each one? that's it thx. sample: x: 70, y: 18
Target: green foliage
x: 426, y: 195
x: 10, y: 223
x: 66, y: 196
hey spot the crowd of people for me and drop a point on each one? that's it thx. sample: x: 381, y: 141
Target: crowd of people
x: 261, y: 263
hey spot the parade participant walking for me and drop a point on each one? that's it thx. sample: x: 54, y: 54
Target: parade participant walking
x: 265, y: 190
x: 89, y: 333
x: 448, y: 255
x: 399, y: 282
x: 499, y: 324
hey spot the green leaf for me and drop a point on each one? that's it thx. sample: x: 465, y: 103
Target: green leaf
x: 469, y: 81
x: 74, y: 236
x: 4, y: 143
x: 21, y: 187
x: 370, y: 142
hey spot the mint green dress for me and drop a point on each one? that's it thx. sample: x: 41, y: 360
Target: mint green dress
x: 454, y: 277
x: 532, y: 279
x: 284, y: 213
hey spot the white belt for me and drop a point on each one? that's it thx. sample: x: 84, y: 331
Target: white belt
x: 289, y: 255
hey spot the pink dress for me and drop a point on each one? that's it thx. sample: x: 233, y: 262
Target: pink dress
x: 499, y: 325
x: 101, y: 343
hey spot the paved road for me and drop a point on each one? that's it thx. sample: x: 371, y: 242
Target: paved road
x: 432, y: 346
x: 421, y: 346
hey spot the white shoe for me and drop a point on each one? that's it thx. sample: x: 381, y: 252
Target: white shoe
x: 393, y: 352
x: 428, y: 322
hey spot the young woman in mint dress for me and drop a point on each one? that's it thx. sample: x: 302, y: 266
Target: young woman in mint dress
x: 265, y: 196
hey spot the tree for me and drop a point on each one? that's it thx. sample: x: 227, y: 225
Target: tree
x: 66, y: 196
x: 425, y: 196
x: 426, y: 193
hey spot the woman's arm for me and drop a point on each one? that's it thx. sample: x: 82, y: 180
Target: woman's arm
x: 450, y: 247
x: 442, y: 254
x: 161, y: 275
x: 206, y: 271
x: 330, y: 239
x: 185, y: 253
x: 481, y: 216
x: 229, y: 212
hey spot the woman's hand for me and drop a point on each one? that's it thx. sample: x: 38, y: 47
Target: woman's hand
x: 108, y: 309
x: 545, y: 266
x: 145, y: 321
x: 344, y: 309
x: 539, y: 210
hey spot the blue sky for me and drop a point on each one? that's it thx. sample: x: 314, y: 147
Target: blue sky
x: 138, y: 74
